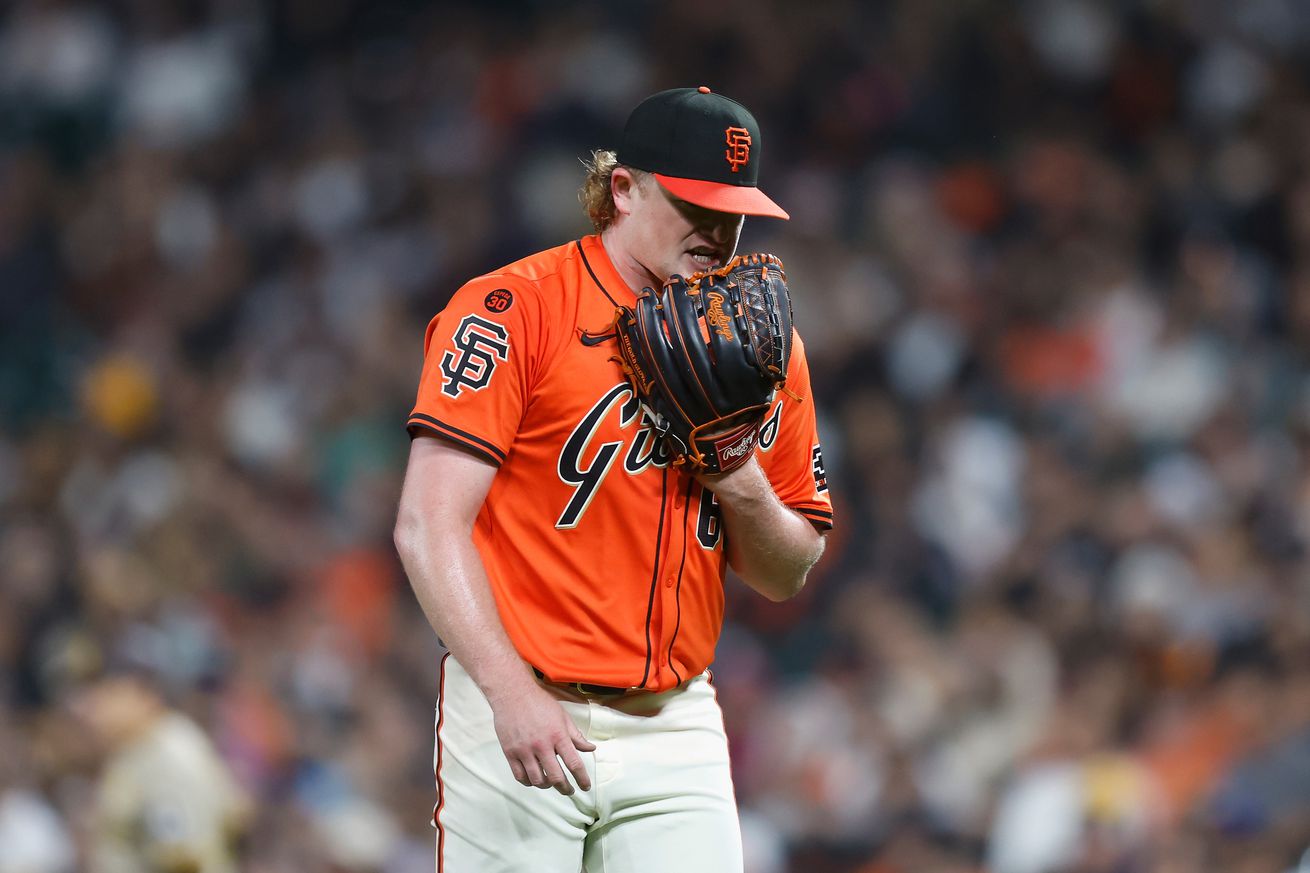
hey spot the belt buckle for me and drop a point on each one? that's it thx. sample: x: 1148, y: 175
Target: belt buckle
x: 586, y: 689
x: 589, y: 689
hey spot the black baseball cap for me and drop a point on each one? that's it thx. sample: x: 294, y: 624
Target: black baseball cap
x: 702, y: 147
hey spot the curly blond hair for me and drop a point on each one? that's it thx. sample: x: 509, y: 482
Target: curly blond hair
x: 595, y: 196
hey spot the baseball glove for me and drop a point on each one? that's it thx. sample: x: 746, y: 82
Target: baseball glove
x: 705, y: 355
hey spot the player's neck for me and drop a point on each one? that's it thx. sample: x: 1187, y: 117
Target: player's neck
x: 630, y: 270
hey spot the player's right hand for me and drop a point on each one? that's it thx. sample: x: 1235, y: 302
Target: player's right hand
x: 536, y: 734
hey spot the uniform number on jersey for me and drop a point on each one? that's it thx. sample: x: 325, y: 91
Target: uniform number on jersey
x: 479, y: 345
x: 709, y: 521
x: 820, y: 477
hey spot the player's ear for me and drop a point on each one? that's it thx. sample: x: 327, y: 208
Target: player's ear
x: 623, y: 188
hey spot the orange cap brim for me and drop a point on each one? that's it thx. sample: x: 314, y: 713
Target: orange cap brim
x: 722, y: 198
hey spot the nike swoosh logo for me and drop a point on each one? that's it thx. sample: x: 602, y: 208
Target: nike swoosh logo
x: 594, y: 339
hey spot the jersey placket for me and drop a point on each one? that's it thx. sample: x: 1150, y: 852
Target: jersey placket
x: 672, y: 562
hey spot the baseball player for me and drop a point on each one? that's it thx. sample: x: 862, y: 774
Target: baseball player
x: 166, y: 800
x: 573, y: 568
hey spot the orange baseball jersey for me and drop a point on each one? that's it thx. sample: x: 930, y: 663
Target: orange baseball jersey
x: 607, y: 564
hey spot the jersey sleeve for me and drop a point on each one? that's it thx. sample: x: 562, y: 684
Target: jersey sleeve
x: 789, y: 449
x: 480, y: 358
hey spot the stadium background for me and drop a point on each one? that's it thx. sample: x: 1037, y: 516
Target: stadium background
x: 1052, y: 263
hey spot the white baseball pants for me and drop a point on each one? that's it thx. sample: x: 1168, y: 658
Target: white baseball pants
x: 661, y: 799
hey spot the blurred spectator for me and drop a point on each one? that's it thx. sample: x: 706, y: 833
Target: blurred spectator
x: 33, y: 837
x: 165, y: 800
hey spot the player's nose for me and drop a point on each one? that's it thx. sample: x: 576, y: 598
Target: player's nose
x: 721, y: 227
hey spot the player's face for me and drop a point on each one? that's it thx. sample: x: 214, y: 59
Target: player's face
x: 669, y: 236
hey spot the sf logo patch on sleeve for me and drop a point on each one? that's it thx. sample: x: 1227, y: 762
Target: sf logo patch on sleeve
x: 479, y: 345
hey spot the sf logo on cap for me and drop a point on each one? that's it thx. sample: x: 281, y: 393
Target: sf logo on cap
x: 739, y: 147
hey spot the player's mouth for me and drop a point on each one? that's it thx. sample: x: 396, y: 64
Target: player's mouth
x: 706, y: 257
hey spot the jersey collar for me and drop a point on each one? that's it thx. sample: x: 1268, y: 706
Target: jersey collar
x: 601, y: 268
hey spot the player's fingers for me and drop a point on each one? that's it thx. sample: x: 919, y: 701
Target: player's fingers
x: 520, y: 773
x: 573, y: 761
x: 554, y: 774
x: 532, y: 767
x: 581, y: 743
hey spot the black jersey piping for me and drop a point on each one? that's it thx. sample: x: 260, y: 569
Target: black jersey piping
x: 427, y: 422
x: 677, y: 592
x: 655, y: 574
x: 587, y: 264
x: 812, y: 512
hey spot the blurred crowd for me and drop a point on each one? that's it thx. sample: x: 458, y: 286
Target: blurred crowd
x: 1051, y: 260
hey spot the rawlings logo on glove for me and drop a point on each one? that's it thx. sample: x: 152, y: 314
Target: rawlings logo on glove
x: 706, y: 354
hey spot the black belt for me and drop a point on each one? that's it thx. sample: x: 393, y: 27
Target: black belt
x: 585, y: 687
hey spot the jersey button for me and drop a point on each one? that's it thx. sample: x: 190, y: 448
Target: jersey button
x: 668, y: 583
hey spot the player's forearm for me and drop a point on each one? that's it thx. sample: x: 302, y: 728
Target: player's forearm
x: 446, y: 573
x: 771, y: 546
